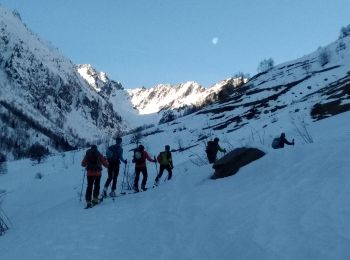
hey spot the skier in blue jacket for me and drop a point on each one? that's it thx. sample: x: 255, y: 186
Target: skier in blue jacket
x: 114, y: 155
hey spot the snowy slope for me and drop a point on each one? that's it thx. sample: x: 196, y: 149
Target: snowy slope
x: 290, y: 204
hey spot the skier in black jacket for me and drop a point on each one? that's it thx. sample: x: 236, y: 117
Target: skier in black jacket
x: 283, y: 141
x: 114, y: 156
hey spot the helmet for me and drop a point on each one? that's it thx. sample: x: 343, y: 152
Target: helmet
x: 216, y: 139
x: 167, y: 147
x: 118, y: 140
x: 141, y: 147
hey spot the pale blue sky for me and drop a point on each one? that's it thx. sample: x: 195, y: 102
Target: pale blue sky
x: 147, y: 42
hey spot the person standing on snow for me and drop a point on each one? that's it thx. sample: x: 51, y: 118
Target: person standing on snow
x: 212, y: 150
x: 93, y: 161
x: 114, y: 156
x: 140, y: 156
x: 166, y: 163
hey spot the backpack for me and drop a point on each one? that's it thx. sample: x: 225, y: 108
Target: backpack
x: 138, y: 158
x: 276, y: 143
x: 93, y: 160
x: 211, y: 151
x: 113, y: 153
x: 163, y: 158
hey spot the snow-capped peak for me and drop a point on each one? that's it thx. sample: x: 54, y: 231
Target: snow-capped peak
x: 91, y: 75
x: 167, y: 96
x: 97, y: 80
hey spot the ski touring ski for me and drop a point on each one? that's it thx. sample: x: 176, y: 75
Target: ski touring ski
x: 93, y: 204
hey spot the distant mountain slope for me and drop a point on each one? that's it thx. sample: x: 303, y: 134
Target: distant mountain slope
x: 117, y: 96
x: 308, y: 87
x: 43, y: 98
x: 171, y: 97
x: 287, y: 98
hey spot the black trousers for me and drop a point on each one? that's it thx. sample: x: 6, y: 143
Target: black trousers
x: 93, y: 183
x: 113, y: 172
x: 142, y: 170
x: 161, y: 170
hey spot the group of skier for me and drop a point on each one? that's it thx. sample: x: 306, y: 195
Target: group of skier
x: 94, y: 160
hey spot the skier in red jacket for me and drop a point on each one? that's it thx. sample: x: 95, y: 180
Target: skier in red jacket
x: 93, y: 161
x: 140, y: 157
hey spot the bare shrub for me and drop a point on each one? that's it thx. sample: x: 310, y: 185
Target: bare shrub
x: 257, y: 136
x: 37, y: 152
x: 344, y: 31
x: 300, y: 126
x: 198, y: 159
x: 136, y: 137
x: 341, y: 46
x: 266, y: 65
x: 324, y: 56
x: 307, y: 66
x: 227, y: 143
x: 3, y: 164
x: 4, y: 220
x: 128, y: 178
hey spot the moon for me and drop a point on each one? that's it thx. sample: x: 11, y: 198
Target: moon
x: 215, y: 40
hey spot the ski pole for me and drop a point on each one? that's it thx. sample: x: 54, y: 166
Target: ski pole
x: 82, y: 185
x: 156, y: 168
x: 128, y: 185
x: 123, y: 182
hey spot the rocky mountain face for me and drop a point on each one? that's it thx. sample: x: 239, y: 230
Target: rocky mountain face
x: 99, y: 81
x: 172, y: 101
x: 165, y: 96
x: 114, y: 92
x: 42, y: 96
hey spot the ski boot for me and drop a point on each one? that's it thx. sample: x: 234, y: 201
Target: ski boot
x: 95, y: 201
x: 88, y: 204
x: 112, y: 194
x: 104, y: 193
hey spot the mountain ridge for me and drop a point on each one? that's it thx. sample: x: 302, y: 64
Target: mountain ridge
x: 45, y: 87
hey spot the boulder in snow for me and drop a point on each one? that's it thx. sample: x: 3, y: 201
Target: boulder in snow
x: 232, y: 161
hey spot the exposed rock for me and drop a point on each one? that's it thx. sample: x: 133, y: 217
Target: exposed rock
x: 234, y: 160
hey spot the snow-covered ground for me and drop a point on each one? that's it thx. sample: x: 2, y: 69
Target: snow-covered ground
x: 290, y: 204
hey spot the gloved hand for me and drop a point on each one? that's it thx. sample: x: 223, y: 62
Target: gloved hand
x: 293, y: 141
x: 224, y: 150
x: 155, y: 159
x: 126, y: 161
